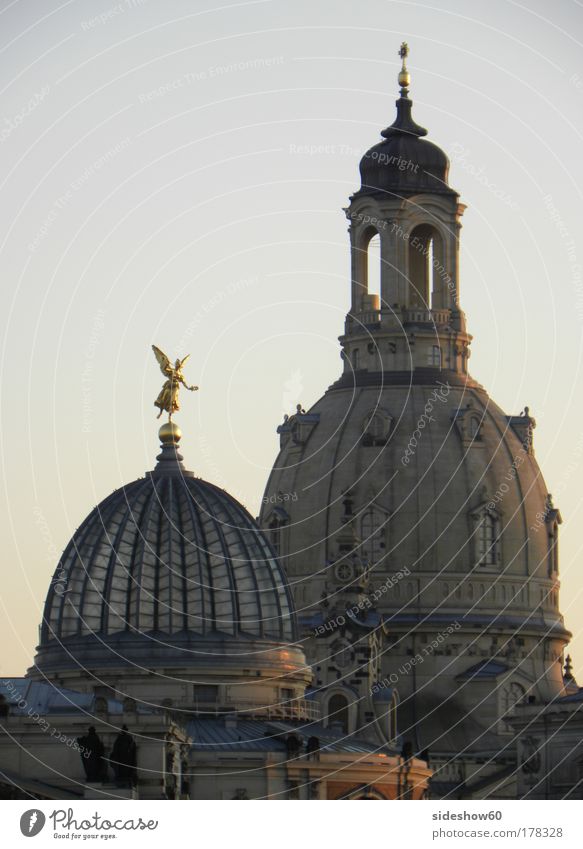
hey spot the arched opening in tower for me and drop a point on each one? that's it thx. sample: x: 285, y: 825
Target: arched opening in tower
x: 374, y: 266
x: 428, y: 278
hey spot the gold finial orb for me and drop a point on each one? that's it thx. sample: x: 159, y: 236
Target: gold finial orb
x: 404, y: 79
x: 170, y: 434
x: 404, y: 75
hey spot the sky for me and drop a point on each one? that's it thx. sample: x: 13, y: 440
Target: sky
x: 174, y: 174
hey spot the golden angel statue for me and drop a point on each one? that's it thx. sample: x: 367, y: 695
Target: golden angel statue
x: 168, y: 398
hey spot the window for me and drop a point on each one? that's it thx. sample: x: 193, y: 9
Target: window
x: 487, y: 539
x: 276, y: 525
x: 475, y: 425
x: 434, y: 356
x: 338, y: 711
x: 512, y: 694
x: 554, y: 551
x: 274, y: 535
x: 355, y: 359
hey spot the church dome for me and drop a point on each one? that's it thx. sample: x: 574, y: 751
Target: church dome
x: 167, y: 566
x: 430, y: 475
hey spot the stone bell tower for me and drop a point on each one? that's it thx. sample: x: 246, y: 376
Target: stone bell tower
x: 415, y: 320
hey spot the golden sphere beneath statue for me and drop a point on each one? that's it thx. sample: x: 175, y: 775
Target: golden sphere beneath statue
x: 169, y: 433
x: 404, y: 79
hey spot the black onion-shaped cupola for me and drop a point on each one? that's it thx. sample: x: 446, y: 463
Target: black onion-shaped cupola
x: 404, y: 163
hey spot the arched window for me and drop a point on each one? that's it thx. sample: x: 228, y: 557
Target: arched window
x: 338, y: 711
x: 373, y: 260
x: 486, y: 535
x: 512, y: 694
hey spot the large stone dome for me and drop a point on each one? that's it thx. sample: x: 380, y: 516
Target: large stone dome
x: 166, y: 571
x: 415, y: 468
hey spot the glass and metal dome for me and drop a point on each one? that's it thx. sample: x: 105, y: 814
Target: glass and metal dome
x: 168, y: 560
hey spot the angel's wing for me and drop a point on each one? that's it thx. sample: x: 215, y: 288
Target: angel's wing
x: 184, y: 360
x: 163, y: 360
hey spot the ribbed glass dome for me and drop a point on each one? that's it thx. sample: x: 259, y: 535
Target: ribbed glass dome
x: 168, y: 555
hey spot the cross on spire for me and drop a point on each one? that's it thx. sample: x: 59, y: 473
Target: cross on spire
x: 404, y: 76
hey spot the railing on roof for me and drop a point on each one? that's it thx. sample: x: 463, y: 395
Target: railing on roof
x: 417, y: 315
x: 293, y: 709
x: 421, y: 316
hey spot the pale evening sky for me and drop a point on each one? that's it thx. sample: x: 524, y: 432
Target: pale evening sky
x: 174, y: 172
